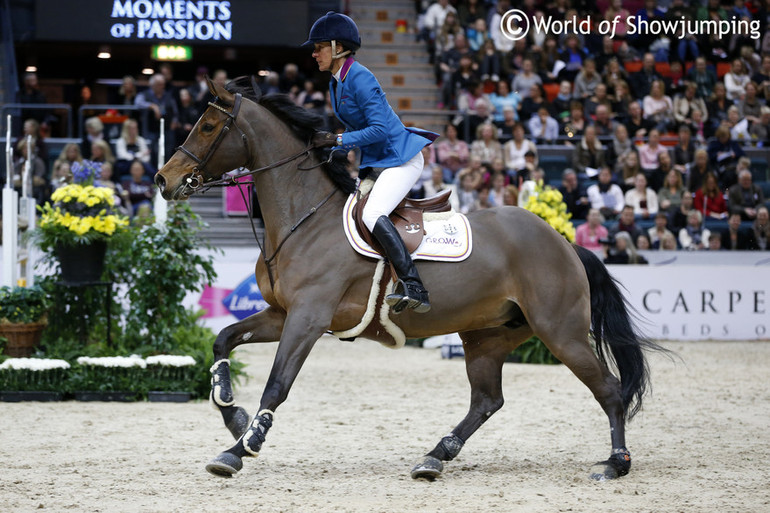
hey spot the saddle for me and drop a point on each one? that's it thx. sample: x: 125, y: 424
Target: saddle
x: 407, y: 218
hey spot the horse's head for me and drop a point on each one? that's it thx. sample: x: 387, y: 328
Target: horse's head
x: 215, y: 145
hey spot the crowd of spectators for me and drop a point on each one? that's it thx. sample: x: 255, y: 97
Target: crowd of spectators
x: 657, y: 126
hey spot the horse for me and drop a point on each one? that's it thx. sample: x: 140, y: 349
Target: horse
x: 521, y: 279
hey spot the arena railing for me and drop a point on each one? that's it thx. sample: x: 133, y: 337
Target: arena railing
x: 91, y: 109
x: 15, y: 109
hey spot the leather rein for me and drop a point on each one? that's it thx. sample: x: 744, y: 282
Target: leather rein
x: 197, y: 182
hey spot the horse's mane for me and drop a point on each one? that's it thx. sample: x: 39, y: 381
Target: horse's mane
x: 303, y: 123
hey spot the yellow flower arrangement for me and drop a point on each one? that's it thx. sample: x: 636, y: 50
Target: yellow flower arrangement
x: 79, y: 214
x: 548, y: 204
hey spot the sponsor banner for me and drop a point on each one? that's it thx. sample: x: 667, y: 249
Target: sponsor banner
x: 699, y: 302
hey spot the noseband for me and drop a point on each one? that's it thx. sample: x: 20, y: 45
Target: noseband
x: 196, y: 180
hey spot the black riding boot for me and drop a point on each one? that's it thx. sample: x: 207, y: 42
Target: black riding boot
x: 409, y: 292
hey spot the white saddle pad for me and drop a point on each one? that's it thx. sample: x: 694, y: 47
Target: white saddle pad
x: 448, y: 237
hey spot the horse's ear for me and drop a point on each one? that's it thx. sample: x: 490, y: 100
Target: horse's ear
x: 256, y: 88
x: 219, y: 91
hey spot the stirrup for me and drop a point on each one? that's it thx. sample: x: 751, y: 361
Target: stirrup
x: 408, y: 295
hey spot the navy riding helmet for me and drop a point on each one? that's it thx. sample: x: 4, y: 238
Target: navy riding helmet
x: 334, y: 26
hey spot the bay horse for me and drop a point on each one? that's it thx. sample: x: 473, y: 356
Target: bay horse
x: 522, y: 278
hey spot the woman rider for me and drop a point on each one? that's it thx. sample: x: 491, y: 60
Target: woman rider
x: 385, y: 143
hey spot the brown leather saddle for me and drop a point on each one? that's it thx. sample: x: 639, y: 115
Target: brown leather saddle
x: 407, y: 218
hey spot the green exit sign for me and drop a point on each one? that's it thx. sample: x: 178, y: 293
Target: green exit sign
x: 171, y: 53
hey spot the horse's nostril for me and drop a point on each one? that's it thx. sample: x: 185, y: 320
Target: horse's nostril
x: 160, y: 182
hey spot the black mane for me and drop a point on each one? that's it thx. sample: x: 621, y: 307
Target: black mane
x: 304, y: 124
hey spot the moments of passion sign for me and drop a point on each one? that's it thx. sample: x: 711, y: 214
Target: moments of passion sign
x: 237, y: 22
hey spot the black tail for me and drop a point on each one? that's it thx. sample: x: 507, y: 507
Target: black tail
x: 613, y: 329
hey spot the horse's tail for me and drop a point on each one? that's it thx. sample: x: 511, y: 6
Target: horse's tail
x: 617, y: 340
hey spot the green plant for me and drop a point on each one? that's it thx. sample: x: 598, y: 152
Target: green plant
x: 533, y: 351
x: 34, y: 374
x: 109, y: 374
x: 23, y: 304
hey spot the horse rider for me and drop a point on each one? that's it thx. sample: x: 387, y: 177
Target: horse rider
x: 385, y: 143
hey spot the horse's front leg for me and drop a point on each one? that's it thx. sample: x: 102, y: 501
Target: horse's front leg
x: 304, y: 326
x: 265, y: 326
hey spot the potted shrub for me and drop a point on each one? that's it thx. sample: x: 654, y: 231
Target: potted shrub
x: 75, y: 227
x: 170, y: 378
x: 33, y: 379
x: 22, y: 318
x: 109, y: 378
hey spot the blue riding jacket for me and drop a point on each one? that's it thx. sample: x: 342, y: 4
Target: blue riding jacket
x: 371, y: 125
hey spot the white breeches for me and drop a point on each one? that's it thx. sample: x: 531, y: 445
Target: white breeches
x: 391, y: 187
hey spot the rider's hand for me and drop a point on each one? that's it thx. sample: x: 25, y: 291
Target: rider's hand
x: 324, y: 139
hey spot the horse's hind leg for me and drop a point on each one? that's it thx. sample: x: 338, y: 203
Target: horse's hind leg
x: 571, y: 347
x: 485, y: 353
x: 265, y: 326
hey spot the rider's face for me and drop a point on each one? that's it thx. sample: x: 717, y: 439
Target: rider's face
x: 322, y: 53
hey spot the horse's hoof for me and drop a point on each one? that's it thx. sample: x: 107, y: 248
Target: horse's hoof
x: 239, y: 422
x: 429, y: 469
x: 225, y: 465
x: 603, y: 471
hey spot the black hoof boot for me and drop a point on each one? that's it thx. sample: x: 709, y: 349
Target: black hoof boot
x: 618, y: 465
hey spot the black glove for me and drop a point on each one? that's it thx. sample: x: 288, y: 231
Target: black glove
x: 324, y: 139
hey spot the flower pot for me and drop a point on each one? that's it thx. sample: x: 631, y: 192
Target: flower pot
x: 155, y: 396
x: 28, y: 395
x: 23, y: 338
x: 82, y: 263
x: 122, y: 397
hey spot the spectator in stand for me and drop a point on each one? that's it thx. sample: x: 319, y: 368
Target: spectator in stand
x: 457, y: 71
x: 572, y: 56
x: 643, y: 199
x: 684, y: 48
x: 684, y: 151
x: 761, y: 229
x: 626, y: 223
x: 502, y: 43
x: 475, y: 170
x: 32, y: 128
x: 602, y: 122
x: 101, y: 152
x: 188, y: 115
x: 641, y: 81
x: 131, y: 146
x: 648, y: 153
x: 703, y: 78
x: 515, y: 150
x: 69, y: 154
x: 511, y: 196
x: 574, y: 195
x: 762, y: 78
x: 62, y: 174
x: 620, y: 146
x: 699, y: 128
x: 684, y: 105
x: 532, y: 103
x: 745, y: 197
x: 434, y: 20
x: 717, y: 107
x: 621, y: 105
x: 470, y: 10
x: 311, y: 98
x: 576, y: 124
x: 657, y: 232
x: 694, y: 236
x: 643, y: 242
x: 616, y: 10
x: 291, y: 81
x: 613, y: 73
x: 436, y: 185
x: 167, y: 71
x: 678, y: 219
x: 450, y: 144
x: 698, y: 170
x: 750, y: 107
x: 714, y: 242
x: 629, y: 170
x: 140, y: 189
x: 505, y: 127
x: 586, y: 81
x: 486, y: 146
x: 496, y: 194
x: 162, y: 105
x: 549, y: 57
x: 638, y: 126
x: 120, y: 196
x: 30, y: 93
x: 468, y: 196
x: 736, y: 238
x: 543, y: 128
x: 526, y: 78
x: 658, y: 107
x: 199, y: 90
x: 736, y: 80
x: 739, y: 127
x: 668, y: 242
x: 501, y: 97
x: 445, y: 38
x: 622, y: 251
x: 589, y: 155
x: 709, y: 200
x: 127, y: 95
x: 561, y: 105
x: 605, y: 196
x: 94, y: 132
x: 476, y: 33
x: 724, y: 154
x: 670, y: 195
x: 219, y: 78
x: 598, y: 98
x: 760, y: 132
x: 38, y: 177
x: 491, y: 61
x: 591, y: 232
x: 656, y: 178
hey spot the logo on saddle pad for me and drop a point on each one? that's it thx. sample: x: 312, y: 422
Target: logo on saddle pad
x: 450, y: 229
x: 413, y: 228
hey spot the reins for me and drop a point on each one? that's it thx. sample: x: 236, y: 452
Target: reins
x: 197, y: 182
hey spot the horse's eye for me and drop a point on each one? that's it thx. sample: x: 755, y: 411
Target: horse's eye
x: 207, y: 128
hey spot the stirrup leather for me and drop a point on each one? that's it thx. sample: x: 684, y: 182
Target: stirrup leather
x: 408, y: 295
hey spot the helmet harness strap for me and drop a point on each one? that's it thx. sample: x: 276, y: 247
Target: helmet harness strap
x: 336, y: 55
